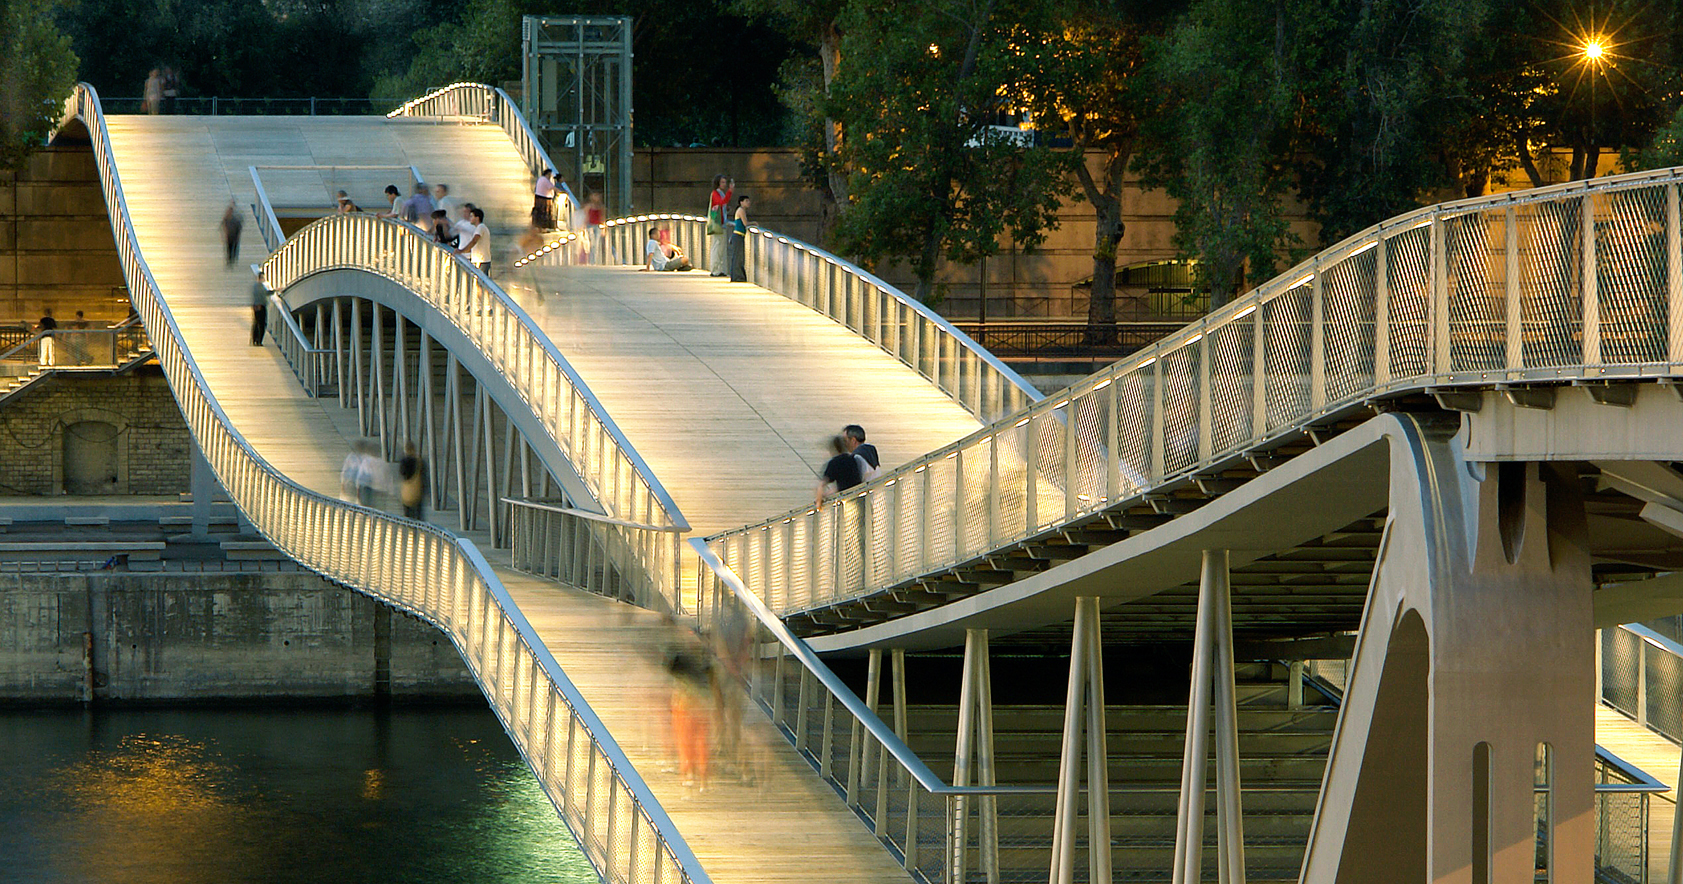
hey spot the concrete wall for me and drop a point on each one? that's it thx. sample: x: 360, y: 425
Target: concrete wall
x: 151, y: 438
x: 180, y: 637
x: 56, y: 248
x: 1035, y: 284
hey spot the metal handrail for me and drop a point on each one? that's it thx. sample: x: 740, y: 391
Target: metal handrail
x: 562, y: 403
x: 586, y: 514
x: 804, y: 655
x: 310, y: 364
x: 906, y: 329
x: 421, y: 569
x: 493, y: 105
x: 1442, y: 297
x: 267, y: 224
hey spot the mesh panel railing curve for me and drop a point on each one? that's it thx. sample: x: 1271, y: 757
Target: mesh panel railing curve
x: 1577, y: 282
x: 917, y: 336
x: 426, y: 571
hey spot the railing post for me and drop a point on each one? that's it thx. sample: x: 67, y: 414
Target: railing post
x: 1439, y: 298
x: 1513, y: 300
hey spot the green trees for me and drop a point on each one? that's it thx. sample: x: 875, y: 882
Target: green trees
x: 37, y: 72
x: 929, y: 178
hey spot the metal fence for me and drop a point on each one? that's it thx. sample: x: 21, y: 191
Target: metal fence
x: 1622, y: 797
x: 882, y: 314
x: 1578, y: 282
x: 488, y: 103
x: 1642, y: 677
x: 560, y: 401
x: 936, y: 830
x: 611, y: 557
x: 81, y: 348
x: 426, y: 571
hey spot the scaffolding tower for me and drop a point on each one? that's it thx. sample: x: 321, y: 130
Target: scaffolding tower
x: 575, y: 78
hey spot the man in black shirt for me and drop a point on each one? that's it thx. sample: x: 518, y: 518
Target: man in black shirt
x: 841, y: 472
x: 865, y: 451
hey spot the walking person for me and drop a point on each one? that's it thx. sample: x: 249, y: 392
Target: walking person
x: 172, y: 89
x: 478, y: 245
x: 716, y: 202
x: 153, y: 93
x: 232, y: 224
x: 441, y: 199
x: 543, y: 200
x: 48, y: 326
x: 595, y: 214
x: 739, y: 241
x: 413, y: 482
x: 417, y: 208
x: 259, y: 310
x: 841, y: 472
x: 865, y: 451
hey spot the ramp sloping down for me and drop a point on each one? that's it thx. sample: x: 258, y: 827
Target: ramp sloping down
x: 178, y: 175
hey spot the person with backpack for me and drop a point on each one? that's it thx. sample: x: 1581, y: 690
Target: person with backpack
x: 716, y: 239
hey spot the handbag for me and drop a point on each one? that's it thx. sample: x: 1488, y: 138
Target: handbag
x: 715, y: 224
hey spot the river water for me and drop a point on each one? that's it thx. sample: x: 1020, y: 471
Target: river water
x: 428, y: 795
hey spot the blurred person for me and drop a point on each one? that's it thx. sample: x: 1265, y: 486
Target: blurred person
x: 47, y: 326
x: 739, y: 241
x: 443, y: 232
x: 80, y: 322
x: 259, y: 309
x: 359, y: 473
x: 543, y: 200
x: 840, y: 473
x: 716, y: 234
x: 413, y: 482
x: 477, y: 248
x: 171, y: 89
x: 153, y: 92
x: 343, y: 204
x: 418, y: 206
x: 232, y: 224
x: 691, y: 693
x: 733, y: 648
x: 441, y: 199
x: 594, y: 216
x: 531, y: 239
x: 863, y: 450
x: 395, y: 197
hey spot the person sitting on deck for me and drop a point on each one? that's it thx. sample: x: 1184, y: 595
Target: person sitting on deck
x: 658, y: 255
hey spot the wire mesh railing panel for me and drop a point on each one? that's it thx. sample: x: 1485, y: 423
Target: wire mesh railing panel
x: 1621, y: 660
x: 1181, y: 376
x: 1232, y: 355
x: 1090, y: 417
x: 1664, y: 689
x: 1473, y: 271
x: 1408, y: 303
x: 1348, y: 303
x: 1621, y: 821
x: 1136, y: 410
x: 1551, y: 282
x: 1631, y: 274
x: 1286, y: 357
x: 980, y: 504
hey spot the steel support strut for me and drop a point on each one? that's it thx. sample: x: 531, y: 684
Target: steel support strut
x: 1212, y: 673
x: 1083, y: 706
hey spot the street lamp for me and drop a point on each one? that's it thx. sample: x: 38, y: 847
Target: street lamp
x: 1594, y: 50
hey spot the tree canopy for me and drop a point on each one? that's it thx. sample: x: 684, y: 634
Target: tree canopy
x: 37, y: 72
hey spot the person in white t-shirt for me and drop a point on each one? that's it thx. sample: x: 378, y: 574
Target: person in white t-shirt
x: 543, y: 200
x: 477, y: 243
x: 396, y: 198
x: 441, y: 199
x: 663, y: 256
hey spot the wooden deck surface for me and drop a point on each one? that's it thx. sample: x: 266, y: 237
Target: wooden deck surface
x: 730, y: 392
x: 178, y: 175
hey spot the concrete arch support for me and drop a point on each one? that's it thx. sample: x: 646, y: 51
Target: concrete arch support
x: 1476, y: 646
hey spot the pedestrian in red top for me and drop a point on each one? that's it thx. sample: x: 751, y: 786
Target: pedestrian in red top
x: 716, y: 223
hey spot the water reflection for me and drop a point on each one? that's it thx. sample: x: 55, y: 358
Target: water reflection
x: 134, y: 797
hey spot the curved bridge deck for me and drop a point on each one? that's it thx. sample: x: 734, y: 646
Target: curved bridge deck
x: 179, y: 174
x: 730, y: 392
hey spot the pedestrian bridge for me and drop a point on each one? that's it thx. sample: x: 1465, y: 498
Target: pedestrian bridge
x: 1441, y: 448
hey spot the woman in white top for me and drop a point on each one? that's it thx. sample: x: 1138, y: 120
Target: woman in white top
x: 543, y: 200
